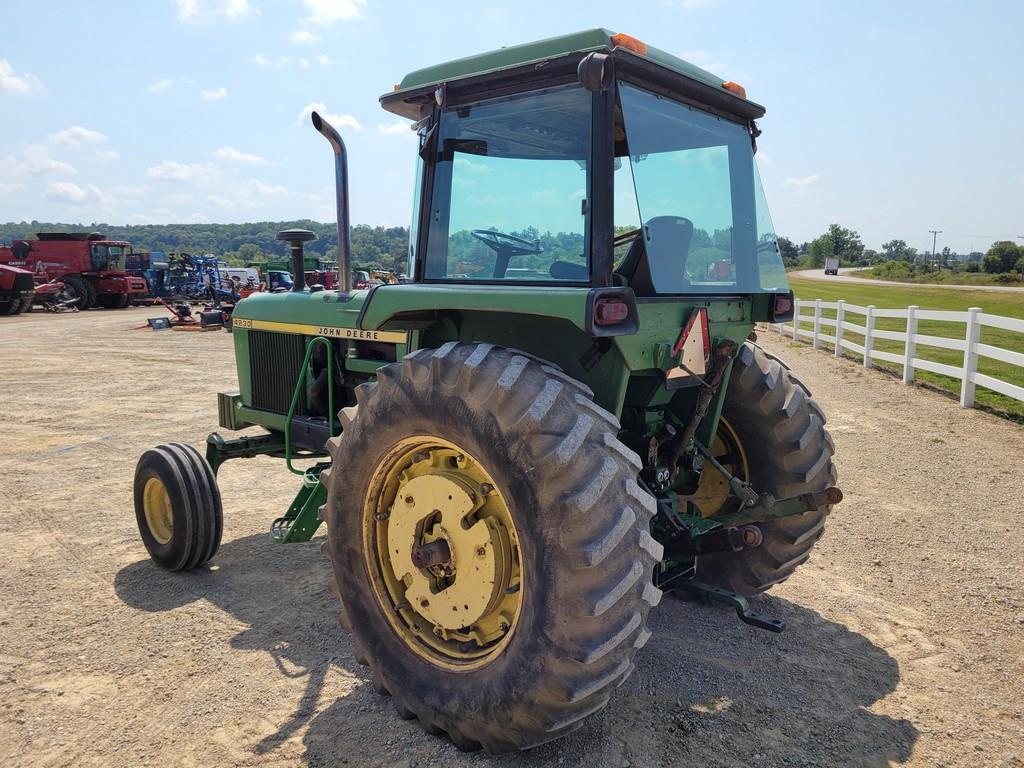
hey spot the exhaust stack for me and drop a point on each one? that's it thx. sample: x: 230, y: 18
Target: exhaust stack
x: 341, y: 200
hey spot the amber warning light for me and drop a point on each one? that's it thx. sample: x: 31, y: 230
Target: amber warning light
x: 736, y: 88
x: 630, y: 43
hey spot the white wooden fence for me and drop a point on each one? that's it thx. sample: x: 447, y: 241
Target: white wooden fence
x: 970, y: 345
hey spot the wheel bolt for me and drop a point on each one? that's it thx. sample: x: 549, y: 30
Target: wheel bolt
x: 481, y: 551
x: 409, y: 500
x: 486, y: 488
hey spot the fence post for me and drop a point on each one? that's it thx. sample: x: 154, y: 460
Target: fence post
x: 869, y: 340
x: 971, y: 339
x: 815, y: 341
x: 840, y: 314
x: 910, y: 347
x: 796, y: 318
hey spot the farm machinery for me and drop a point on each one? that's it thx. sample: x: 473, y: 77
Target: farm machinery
x: 91, y: 267
x: 519, y: 451
x: 17, y: 290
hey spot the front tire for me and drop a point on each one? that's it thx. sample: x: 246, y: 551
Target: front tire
x: 780, y: 431
x: 80, y: 289
x: 177, y: 506
x: 564, y: 504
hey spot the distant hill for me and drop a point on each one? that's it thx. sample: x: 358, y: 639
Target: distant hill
x: 238, y: 243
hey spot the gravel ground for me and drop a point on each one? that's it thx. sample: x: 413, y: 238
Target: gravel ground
x: 904, y: 646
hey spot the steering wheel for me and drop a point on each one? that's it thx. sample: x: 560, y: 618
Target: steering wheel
x: 505, y: 246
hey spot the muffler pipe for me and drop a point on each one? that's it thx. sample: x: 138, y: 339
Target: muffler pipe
x: 341, y: 200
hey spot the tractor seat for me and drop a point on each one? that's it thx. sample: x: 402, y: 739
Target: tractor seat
x: 670, y: 238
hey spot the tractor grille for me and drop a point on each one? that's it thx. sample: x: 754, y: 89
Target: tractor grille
x: 275, y: 360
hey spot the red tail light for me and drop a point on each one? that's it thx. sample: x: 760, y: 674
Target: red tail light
x: 610, y: 311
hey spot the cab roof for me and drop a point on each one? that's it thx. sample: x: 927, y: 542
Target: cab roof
x: 543, y: 53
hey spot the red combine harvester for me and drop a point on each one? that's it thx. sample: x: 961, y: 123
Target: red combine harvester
x: 17, y: 290
x: 91, y: 267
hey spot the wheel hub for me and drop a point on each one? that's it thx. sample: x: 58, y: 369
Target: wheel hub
x: 156, y: 505
x: 447, y: 553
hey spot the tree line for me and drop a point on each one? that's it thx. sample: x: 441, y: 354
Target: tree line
x: 387, y: 247
x: 1004, y: 259
x: 239, y: 244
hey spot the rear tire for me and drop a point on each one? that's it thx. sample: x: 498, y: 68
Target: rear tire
x: 9, y: 306
x: 782, y: 431
x: 177, y: 506
x: 583, y: 551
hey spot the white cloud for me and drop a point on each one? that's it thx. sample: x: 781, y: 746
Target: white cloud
x: 232, y: 155
x: 105, y: 155
x: 171, y: 170
x: 38, y: 160
x: 214, y: 94
x: 800, y: 182
x: 76, y: 135
x: 325, y: 12
x: 252, y: 194
x: 160, y: 85
x: 397, y: 128
x: 19, y: 84
x: 8, y: 188
x: 338, y: 121
x: 303, y: 37
x: 72, y: 193
x: 209, y: 11
x: 286, y: 61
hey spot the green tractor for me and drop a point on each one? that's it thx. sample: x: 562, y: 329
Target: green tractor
x: 561, y: 417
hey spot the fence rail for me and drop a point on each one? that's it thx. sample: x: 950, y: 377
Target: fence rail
x: 969, y: 345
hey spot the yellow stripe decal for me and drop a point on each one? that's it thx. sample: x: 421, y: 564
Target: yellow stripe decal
x: 331, y: 332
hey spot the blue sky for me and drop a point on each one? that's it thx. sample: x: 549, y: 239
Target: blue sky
x: 892, y: 118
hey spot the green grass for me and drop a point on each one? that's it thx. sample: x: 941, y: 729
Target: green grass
x: 900, y: 297
x: 944, y: 276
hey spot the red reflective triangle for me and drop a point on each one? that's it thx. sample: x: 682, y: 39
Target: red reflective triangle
x: 694, y: 345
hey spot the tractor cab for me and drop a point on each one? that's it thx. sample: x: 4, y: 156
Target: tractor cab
x: 626, y: 168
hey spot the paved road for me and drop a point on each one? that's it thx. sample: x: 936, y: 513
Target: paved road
x: 844, y: 276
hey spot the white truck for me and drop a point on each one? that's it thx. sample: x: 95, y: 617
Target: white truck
x: 832, y: 266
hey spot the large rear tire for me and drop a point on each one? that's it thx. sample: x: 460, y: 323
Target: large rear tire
x: 786, y: 451
x: 538, y: 463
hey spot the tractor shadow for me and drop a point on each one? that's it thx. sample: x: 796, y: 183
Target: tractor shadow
x: 707, y: 690
x: 280, y: 594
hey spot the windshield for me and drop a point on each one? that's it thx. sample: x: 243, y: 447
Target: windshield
x: 108, y: 257
x: 509, y: 194
x: 690, y: 179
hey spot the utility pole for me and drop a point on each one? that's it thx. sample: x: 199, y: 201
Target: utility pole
x: 935, y: 234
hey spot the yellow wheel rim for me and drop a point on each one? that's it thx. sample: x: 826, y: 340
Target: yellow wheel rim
x: 713, y: 495
x: 156, y: 503
x: 442, y: 552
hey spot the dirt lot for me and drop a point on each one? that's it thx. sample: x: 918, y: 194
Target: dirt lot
x: 905, y: 639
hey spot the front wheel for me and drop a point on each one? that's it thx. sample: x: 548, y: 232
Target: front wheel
x: 177, y: 506
x: 773, y: 435
x: 490, y: 544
